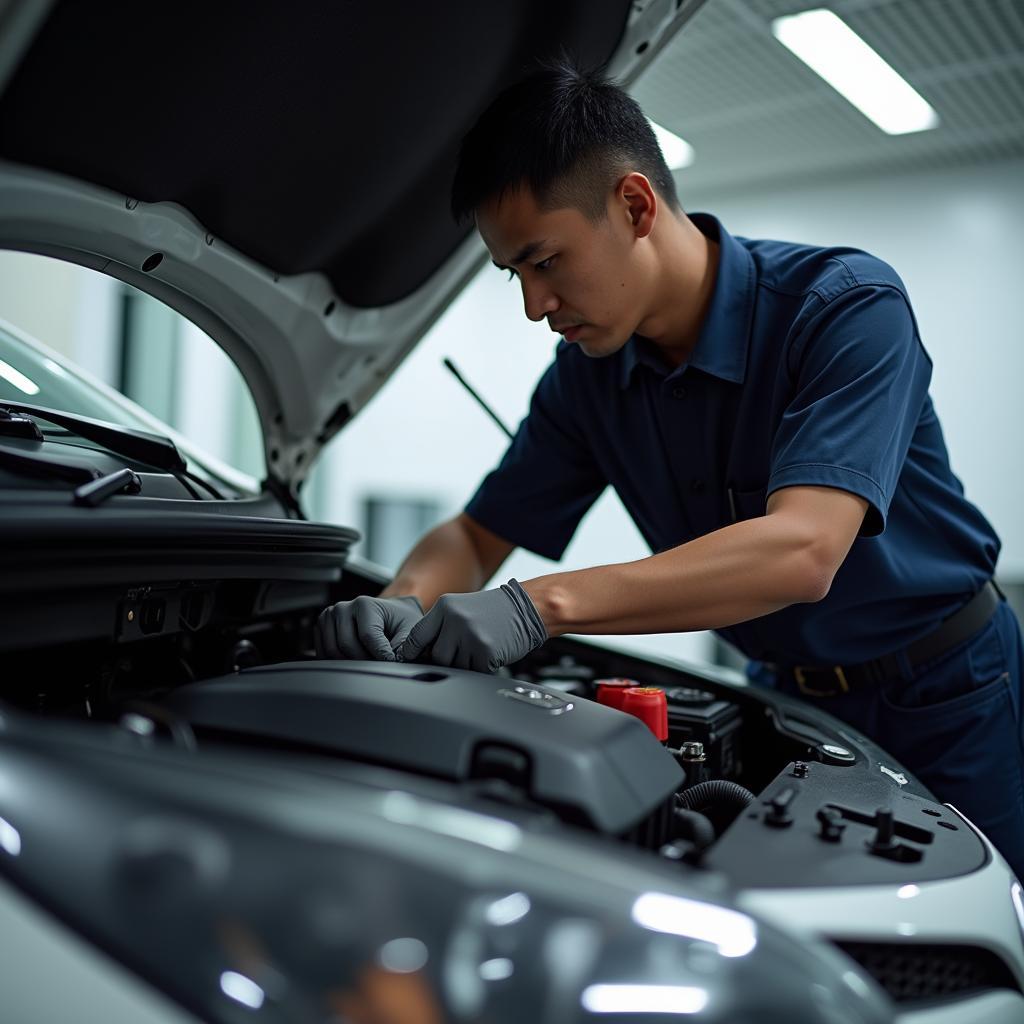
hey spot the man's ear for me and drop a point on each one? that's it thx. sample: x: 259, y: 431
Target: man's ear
x: 636, y: 198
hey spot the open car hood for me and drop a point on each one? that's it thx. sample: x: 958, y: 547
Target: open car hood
x: 279, y: 174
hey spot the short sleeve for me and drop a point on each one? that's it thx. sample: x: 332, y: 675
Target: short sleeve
x: 861, y: 377
x: 548, y: 477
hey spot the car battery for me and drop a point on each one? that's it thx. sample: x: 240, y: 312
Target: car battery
x: 698, y: 715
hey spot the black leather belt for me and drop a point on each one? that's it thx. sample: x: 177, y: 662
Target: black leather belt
x: 825, y: 681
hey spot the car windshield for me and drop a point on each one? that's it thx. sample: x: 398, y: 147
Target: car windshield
x: 31, y: 373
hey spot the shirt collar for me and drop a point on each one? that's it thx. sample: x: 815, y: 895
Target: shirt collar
x: 721, y: 348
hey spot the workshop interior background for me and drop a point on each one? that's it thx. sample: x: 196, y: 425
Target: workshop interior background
x: 778, y: 154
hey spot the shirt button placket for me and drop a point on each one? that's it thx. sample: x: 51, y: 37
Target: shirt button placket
x: 677, y: 418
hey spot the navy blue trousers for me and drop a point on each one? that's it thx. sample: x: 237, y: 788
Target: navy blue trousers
x: 955, y: 722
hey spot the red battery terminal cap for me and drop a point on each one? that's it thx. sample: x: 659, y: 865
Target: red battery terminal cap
x: 611, y: 691
x: 648, y: 703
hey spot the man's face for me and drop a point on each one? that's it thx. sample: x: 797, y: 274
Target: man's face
x: 582, y: 277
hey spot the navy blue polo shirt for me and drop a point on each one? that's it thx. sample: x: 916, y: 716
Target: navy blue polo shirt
x: 808, y: 371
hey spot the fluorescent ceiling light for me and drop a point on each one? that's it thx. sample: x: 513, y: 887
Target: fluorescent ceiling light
x: 242, y: 989
x: 677, y: 152
x: 660, y: 999
x: 18, y: 379
x: 509, y: 909
x: 733, y: 933
x: 827, y: 45
x: 10, y: 838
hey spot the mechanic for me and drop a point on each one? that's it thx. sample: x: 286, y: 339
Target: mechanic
x: 762, y: 410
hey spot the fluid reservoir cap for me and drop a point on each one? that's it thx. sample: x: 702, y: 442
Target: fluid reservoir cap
x: 648, y: 703
x: 689, y: 695
x: 611, y: 691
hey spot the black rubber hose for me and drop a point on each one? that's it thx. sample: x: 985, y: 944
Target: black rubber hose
x: 694, y: 828
x: 722, y: 801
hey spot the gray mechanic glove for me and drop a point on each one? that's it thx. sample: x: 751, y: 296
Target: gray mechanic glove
x: 480, y: 631
x: 366, y: 628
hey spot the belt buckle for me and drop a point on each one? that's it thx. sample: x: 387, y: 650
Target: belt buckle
x: 808, y: 691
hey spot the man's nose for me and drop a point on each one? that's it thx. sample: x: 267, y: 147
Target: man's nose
x: 538, y: 301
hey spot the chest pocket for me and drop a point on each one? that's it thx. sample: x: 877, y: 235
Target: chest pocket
x: 748, y: 504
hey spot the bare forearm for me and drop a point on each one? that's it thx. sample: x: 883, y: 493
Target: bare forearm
x: 737, y: 573
x: 445, y: 561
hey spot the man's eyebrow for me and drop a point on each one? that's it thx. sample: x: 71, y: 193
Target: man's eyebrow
x: 528, y: 250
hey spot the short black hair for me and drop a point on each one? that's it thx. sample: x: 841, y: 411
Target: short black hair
x: 565, y: 133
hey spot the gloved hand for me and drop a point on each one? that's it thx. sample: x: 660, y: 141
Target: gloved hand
x: 367, y: 628
x: 480, y: 631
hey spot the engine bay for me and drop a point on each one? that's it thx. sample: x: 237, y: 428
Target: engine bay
x: 745, y: 789
x: 539, y: 740
x: 230, y: 663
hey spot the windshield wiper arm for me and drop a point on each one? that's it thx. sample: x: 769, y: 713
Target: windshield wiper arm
x: 124, y: 441
x: 92, y: 488
x: 97, y: 491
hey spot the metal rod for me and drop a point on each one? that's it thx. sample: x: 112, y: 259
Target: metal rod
x: 483, y: 405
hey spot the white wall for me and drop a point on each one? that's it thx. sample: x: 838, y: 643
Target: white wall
x: 955, y: 238
x: 213, y: 405
x: 67, y: 307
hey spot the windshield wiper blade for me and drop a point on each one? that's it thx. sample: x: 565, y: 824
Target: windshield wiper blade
x: 124, y: 441
x: 38, y: 464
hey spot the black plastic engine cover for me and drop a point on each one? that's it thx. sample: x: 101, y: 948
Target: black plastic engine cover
x: 567, y: 753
